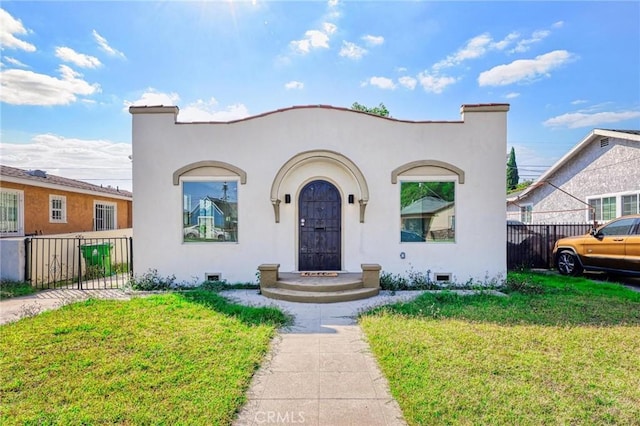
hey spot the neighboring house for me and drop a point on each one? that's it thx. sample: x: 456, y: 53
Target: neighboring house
x: 37, y: 203
x: 599, y: 179
x: 319, y: 188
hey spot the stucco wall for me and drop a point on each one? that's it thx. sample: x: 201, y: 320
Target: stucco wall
x: 80, y: 209
x: 595, y: 171
x: 262, y: 145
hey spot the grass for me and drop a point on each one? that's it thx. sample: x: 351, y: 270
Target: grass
x: 10, y: 288
x: 555, y: 351
x: 165, y: 359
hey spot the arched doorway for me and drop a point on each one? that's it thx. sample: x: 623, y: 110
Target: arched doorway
x: 319, y: 227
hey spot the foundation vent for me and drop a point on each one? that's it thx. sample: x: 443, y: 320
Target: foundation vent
x: 441, y: 277
x: 213, y: 276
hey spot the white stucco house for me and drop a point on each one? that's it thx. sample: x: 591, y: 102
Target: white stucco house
x: 599, y: 179
x: 319, y: 188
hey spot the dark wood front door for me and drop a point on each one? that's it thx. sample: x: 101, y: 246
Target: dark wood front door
x: 319, y: 227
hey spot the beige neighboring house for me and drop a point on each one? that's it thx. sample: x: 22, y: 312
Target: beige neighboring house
x: 34, y: 202
x: 318, y: 188
x: 598, y: 180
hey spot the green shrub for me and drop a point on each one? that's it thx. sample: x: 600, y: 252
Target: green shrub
x: 12, y: 288
x: 152, y: 281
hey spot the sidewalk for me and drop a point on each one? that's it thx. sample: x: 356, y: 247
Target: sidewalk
x: 320, y: 371
x: 18, y: 307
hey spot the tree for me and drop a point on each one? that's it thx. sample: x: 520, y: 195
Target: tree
x: 512, y: 171
x: 380, y: 110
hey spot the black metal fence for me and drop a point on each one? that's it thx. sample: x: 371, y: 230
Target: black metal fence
x: 79, y: 263
x: 531, y: 246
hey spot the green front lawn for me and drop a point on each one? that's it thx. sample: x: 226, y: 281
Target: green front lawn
x: 555, y: 351
x: 167, y: 359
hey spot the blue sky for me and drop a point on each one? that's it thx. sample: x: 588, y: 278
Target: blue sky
x: 69, y: 70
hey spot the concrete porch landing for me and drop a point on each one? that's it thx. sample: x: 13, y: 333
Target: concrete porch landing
x: 296, y: 287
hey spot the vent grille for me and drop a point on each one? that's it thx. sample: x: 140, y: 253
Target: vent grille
x: 213, y: 276
x: 604, y: 142
x: 443, y: 277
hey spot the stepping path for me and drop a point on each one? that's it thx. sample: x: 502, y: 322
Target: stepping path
x: 320, y: 371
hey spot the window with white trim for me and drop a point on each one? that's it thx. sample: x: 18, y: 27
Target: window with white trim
x: 526, y: 211
x: 11, y: 212
x: 610, y: 206
x: 427, y: 211
x: 104, y: 216
x: 630, y: 204
x: 57, y: 208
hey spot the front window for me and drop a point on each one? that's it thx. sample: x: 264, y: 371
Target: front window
x: 210, y: 211
x: 11, y: 212
x: 104, y: 218
x: 57, y: 209
x: 427, y: 211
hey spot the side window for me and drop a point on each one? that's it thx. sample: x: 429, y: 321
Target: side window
x: 427, y: 211
x: 525, y: 213
x: 57, y: 209
x: 210, y: 211
x: 619, y: 227
x: 104, y: 216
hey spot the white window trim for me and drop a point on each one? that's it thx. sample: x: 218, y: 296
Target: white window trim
x: 530, y: 213
x: 20, y: 231
x: 62, y: 198
x: 115, y: 214
x: 618, y: 196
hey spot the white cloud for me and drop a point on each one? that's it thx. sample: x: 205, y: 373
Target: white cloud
x: 329, y: 28
x: 512, y: 95
x: 536, y: 37
x: 579, y: 102
x: 208, y: 111
x: 15, y: 62
x: 313, y: 39
x: 435, y: 83
x: 99, y: 162
x: 524, y: 69
x: 352, y: 51
x: 401, y: 69
x: 21, y: 87
x: 199, y: 110
x: 502, y: 44
x: 474, y: 48
x: 9, y: 28
x: 558, y: 24
x: 104, y: 45
x: 294, y: 85
x: 380, y: 82
x: 332, y: 3
x: 580, y: 119
x: 69, y: 55
x: 408, y: 82
x: 372, y: 40
x: 153, y: 98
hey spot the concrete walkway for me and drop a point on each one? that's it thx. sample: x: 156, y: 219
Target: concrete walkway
x: 19, y: 307
x: 320, y: 370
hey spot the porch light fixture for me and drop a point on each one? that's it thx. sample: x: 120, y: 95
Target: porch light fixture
x: 351, y: 199
x: 287, y: 198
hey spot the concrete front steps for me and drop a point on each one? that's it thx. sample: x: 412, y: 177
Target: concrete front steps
x: 318, y: 287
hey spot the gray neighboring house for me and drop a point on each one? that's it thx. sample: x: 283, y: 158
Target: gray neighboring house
x: 599, y: 179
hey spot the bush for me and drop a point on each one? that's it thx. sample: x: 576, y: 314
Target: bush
x: 11, y: 288
x: 152, y: 281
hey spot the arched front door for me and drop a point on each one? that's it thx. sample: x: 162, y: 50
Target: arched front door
x: 319, y: 227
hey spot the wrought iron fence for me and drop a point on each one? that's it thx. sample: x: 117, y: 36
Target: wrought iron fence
x: 531, y: 246
x: 79, y: 263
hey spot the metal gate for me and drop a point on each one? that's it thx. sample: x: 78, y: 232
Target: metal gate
x: 78, y: 263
